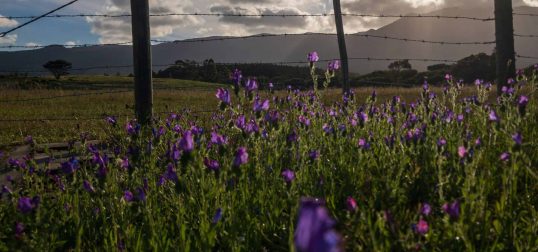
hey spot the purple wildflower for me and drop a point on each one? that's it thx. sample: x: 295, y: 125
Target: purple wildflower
x: 236, y: 76
x: 5, y: 190
x: 252, y: 85
x: 441, y: 142
x: 128, y: 196
x: 218, y: 139
x: 505, y: 156
x: 187, y: 142
x: 240, y: 122
x: 493, y: 116
x: 334, y: 65
x: 70, y: 166
x: 452, y: 209
x: 217, y: 217
x: 140, y: 194
x: 88, y: 187
x: 124, y: 163
x: 293, y: 137
x: 170, y: 173
x: 522, y: 102
x: 111, y: 120
x: 314, y: 155
x: 351, y: 204
x: 241, y: 157
x: 212, y: 165
x: 260, y: 106
x: 363, y: 144
x: 315, y: 228
x: 288, y: 175
x: 313, y: 57
x: 462, y: 151
x: 19, y: 230
x: 224, y: 96
x: 425, y: 209
x: 304, y: 120
x: 518, y: 139
x: 26, y: 205
x: 422, y: 227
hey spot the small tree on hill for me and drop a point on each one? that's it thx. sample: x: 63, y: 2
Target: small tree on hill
x: 58, y: 68
x: 398, y: 66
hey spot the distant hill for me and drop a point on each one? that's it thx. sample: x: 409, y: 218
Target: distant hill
x: 295, y: 48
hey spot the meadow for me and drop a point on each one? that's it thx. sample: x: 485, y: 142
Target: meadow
x: 450, y: 168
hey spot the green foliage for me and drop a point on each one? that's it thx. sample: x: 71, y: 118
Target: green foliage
x: 402, y: 168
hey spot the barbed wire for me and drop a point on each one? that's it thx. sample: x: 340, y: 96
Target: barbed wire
x: 526, y: 14
x: 239, y: 63
x: 240, y: 15
x: 200, y: 40
x: 526, y: 35
x: 526, y: 57
x: 33, y: 19
x: 98, y: 117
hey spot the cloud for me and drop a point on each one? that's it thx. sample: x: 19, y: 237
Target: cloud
x: 32, y: 44
x: 260, y: 22
x: 533, y: 3
x: 5, y: 22
x: 70, y: 44
x: 112, y: 30
x: 9, y: 39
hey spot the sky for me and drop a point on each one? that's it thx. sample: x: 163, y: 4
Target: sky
x: 84, y: 30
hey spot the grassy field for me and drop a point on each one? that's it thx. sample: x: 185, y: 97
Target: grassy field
x: 303, y: 171
x: 170, y: 95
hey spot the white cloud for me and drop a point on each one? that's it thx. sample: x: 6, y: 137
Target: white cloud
x: 5, y: 22
x: 533, y: 3
x: 111, y: 30
x: 32, y: 44
x: 9, y: 39
x: 70, y: 44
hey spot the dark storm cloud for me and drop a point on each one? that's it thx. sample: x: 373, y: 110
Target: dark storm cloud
x: 290, y: 22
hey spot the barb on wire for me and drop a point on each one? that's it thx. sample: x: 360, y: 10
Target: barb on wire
x: 526, y: 57
x: 199, y: 40
x: 525, y: 35
x: 3, y: 34
x: 526, y: 14
x: 239, y: 15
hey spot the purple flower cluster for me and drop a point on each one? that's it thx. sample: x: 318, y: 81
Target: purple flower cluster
x: 315, y: 228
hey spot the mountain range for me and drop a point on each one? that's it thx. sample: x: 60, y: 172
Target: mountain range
x: 294, y: 48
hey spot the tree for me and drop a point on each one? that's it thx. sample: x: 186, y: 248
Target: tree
x: 210, y: 70
x: 58, y: 68
x: 479, y: 66
x: 398, y: 66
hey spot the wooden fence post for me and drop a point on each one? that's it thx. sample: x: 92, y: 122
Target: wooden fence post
x: 504, y: 35
x: 142, y: 61
x: 341, y: 44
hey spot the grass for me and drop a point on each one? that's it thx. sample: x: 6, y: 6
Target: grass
x: 170, y: 95
x: 160, y: 189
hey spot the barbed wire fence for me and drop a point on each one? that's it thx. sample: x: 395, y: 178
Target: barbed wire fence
x: 225, y: 38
